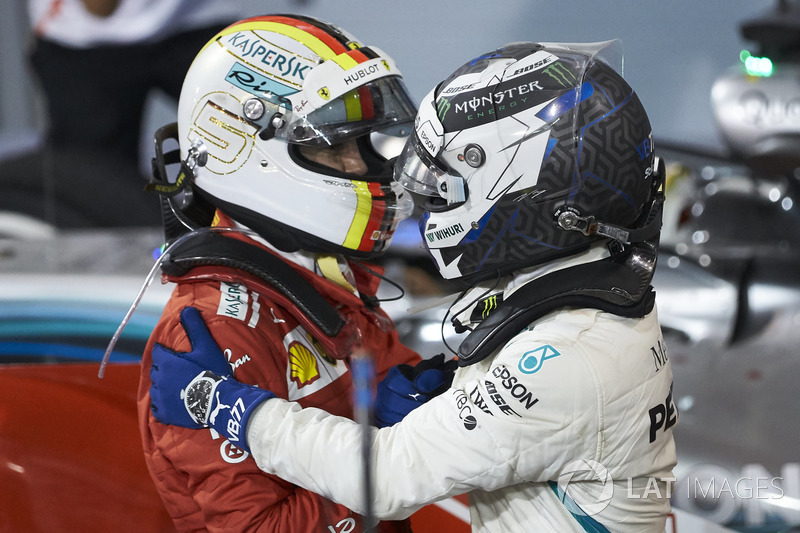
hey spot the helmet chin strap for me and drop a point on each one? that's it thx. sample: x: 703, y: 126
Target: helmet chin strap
x: 197, y: 156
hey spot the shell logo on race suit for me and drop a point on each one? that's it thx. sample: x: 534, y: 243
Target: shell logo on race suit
x: 302, y: 365
x: 309, y: 367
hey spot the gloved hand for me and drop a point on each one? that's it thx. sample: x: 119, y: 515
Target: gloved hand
x: 406, y: 387
x: 196, y: 389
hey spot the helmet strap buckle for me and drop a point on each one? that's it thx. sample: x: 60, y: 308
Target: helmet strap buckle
x: 569, y: 219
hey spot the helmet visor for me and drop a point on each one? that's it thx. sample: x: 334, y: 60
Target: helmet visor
x: 380, y: 105
x: 418, y: 173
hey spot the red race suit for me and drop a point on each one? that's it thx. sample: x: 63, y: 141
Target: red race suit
x: 206, y: 483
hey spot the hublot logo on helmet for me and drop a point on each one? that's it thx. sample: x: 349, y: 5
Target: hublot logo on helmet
x: 362, y: 73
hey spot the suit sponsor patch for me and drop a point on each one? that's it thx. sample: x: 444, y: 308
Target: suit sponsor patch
x: 531, y: 361
x: 237, y: 301
x: 309, y: 367
x: 511, y: 383
x: 233, y: 299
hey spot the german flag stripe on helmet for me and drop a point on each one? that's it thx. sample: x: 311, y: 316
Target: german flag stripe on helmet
x: 323, y: 42
x: 352, y: 105
x: 375, y: 222
x: 369, y: 52
x: 367, y: 107
x: 369, y: 218
x: 358, y: 104
x: 328, y: 28
x: 358, y: 226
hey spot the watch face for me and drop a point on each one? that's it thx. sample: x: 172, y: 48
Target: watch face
x: 198, y: 397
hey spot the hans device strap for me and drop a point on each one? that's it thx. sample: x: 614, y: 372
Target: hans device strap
x: 211, y: 249
x: 607, y: 285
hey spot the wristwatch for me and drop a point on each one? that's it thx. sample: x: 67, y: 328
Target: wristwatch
x: 197, y: 397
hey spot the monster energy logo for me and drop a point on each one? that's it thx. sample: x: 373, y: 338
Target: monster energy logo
x: 442, y: 107
x: 489, y: 305
x: 486, y: 306
x: 473, y: 108
x: 561, y: 74
x: 511, y: 96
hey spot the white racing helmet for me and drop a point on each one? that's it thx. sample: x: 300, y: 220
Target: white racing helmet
x: 264, y: 87
x: 529, y: 153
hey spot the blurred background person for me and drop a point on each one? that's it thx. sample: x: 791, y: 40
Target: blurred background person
x: 98, y: 60
x: 97, y: 64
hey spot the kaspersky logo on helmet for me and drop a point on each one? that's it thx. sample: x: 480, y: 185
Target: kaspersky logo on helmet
x: 260, y: 53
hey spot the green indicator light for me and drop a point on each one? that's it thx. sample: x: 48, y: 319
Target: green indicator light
x: 756, y: 66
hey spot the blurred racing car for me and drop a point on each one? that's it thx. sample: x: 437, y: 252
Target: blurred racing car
x: 729, y: 291
x: 70, y: 451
